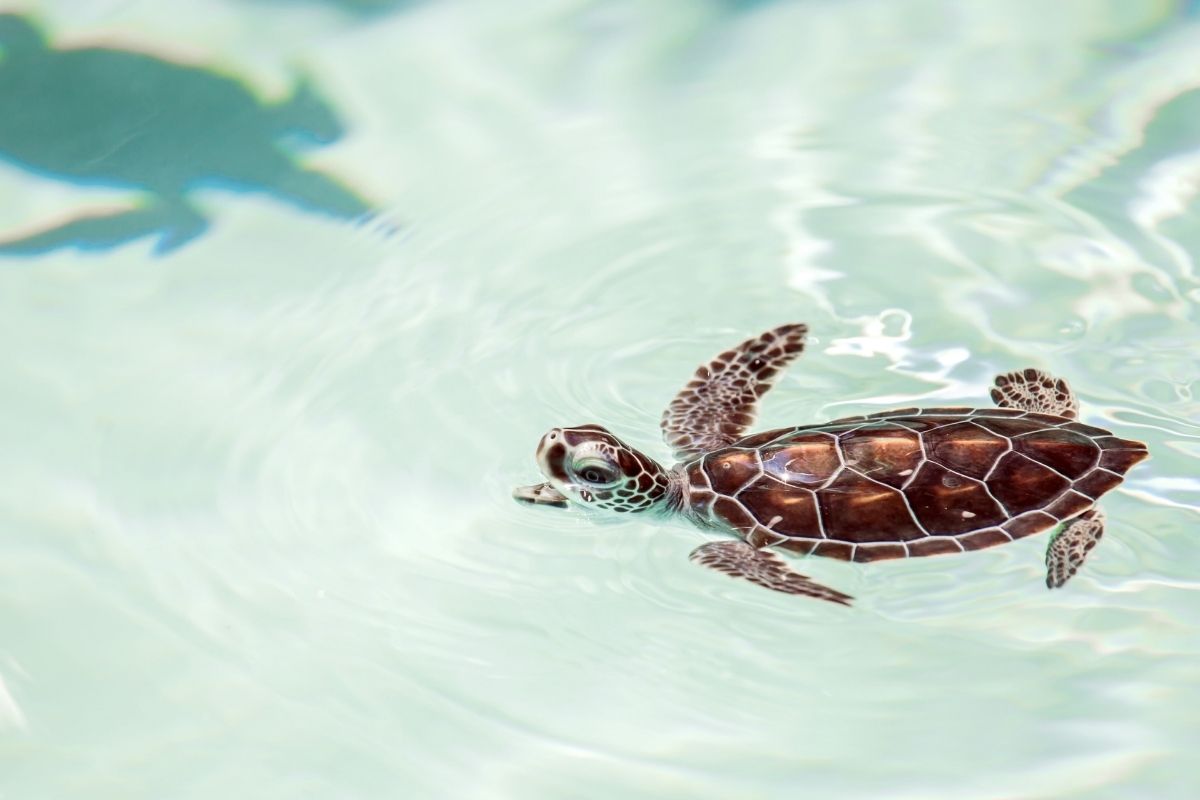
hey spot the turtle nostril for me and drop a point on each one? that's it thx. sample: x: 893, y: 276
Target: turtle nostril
x: 544, y: 444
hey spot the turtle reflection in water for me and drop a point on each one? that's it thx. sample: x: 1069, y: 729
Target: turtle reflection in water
x: 894, y: 484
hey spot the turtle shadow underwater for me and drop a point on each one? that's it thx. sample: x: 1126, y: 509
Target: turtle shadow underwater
x: 99, y: 116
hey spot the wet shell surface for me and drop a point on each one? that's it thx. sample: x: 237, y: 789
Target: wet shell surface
x: 907, y: 483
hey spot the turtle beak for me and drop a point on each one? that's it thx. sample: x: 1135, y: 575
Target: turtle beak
x: 540, y: 494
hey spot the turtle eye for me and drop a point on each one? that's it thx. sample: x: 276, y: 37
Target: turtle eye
x: 597, y: 473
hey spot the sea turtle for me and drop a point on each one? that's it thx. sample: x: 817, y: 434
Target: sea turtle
x: 110, y: 117
x: 910, y: 482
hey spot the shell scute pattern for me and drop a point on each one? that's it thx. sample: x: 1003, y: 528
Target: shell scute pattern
x: 966, y: 448
x: 1052, y: 419
x: 1088, y: 430
x: 1022, y: 484
x: 921, y: 424
x: 808, y: 459
x: 838, y: 428
x: 830, y: 549
x: 1065, y: 453
x: 947, y: 503
x: 759, y: 439
x: 1003, y: 412
x: 985, y: 538
x: 934, y: 546
x: 1120, y: 460
x: 1097, y: 482
x: 730, y: 471
x: 765, y: 537
x: 902, y: 412
x: 1110, y: 442
x: 1029, y: 523
x: 735, y: 514
x: 790, y: 513
x: 857, y: 420
x: 1008, y: 427
x: 900, y: 484
x: 1070, y: 504
x: 803, y: 547
x: 888, y: 455
x: 879, y: 552
x: 854, y: 508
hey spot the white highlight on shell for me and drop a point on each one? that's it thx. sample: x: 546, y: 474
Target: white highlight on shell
x: 905, y: 472
x: 967, y: 514
x: 774, y: 521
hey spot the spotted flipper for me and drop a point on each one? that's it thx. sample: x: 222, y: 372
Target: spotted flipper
x: 718, y: 405
x: 764, y: 568
x: 1071, y: 545
x: 1034, y: 390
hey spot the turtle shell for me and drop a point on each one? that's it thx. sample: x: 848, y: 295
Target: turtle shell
x: 907, y: 483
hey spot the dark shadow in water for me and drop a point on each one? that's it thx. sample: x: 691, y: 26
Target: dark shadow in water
x: 104, y: 117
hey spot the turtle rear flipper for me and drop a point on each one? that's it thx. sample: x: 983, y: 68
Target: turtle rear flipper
x: 763, y: 567
x: 1071, y: 545
x: 1035, y: 390
x: 718, y: 405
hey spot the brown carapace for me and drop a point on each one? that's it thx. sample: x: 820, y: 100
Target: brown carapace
x: 894, y: 484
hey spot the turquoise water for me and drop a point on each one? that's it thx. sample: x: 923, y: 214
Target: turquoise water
x: 260, y: 428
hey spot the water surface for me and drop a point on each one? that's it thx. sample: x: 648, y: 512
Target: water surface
x: 255, y: 519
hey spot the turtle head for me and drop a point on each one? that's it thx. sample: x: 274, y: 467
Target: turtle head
x: 589, y: 466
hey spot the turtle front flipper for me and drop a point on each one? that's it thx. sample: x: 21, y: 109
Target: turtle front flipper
x: 764, y: 568
x: 1071, y: 545
x: 1035, y: 390
x: 717, y: 407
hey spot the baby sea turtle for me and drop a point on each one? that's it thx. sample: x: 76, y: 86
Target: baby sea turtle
x: 894, y: 484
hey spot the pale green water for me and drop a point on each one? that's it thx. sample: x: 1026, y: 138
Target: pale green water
x: 255, y: 530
